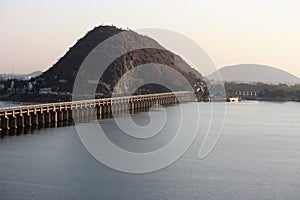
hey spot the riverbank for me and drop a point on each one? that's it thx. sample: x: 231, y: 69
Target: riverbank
x: 270, y: 99
x: 35, y: 98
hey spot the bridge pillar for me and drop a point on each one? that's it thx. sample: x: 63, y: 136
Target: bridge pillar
x: 20, y: 121
x: 83, y: 112
x: 86, y: 112
x: 154, y: 102
x: 70, y: 113
x: 148, y: 103
x: 47, y: 117
x: 13, y: 121
x: 75, y: 114
x: 108, y: 109
x: 89, y: 112
x: 127, y: 107
x: 28, y: 119
x: 92, y: 112
x: 141, y: 104
x: 132, y: 106
x: 35, y: 118
x: 123, y: 106
x: 54, y: 116
x: 99, y: 112
x: 60, y: 115
x: 117, y: 108
x: 136, y: 105
x: 65, y: 115
x: 5, y: 122
x: 41, y: 117
x: 80, y: 113
x: 114, y: 107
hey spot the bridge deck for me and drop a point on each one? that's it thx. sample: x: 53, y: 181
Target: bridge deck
x: 28, y: 115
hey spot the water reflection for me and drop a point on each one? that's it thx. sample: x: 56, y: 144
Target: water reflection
x: 34, y: 128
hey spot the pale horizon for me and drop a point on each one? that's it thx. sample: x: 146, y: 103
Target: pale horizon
x: 35, y: 35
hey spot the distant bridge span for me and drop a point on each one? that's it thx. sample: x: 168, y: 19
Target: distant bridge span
x: 51, y: 113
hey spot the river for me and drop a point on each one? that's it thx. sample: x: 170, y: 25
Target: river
x: 256, y: 157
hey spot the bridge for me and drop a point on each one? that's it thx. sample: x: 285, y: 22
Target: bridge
x: 52, y: 113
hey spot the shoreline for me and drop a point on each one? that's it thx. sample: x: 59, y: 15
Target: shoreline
x: 36, y: 98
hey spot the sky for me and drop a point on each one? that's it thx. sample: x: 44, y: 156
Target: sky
x: 35, y: 34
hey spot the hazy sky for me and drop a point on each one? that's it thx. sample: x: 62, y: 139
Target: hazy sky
x: 34, y: 33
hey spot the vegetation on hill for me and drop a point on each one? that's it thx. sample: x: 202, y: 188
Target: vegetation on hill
x: 280, y: 92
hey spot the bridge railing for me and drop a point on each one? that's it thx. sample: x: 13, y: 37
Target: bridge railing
x: 89, y: 101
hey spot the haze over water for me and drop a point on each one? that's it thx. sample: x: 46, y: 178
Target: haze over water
x: 257, y: 157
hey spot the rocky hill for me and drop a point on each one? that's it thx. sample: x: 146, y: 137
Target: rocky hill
x: 61, y: 76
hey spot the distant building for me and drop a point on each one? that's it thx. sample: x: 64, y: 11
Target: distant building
x: 45, y: 90
x: 30, y: 86
x: 2, y: 86
x: 12, y: 85
x: 246, y: 93
x: 63, y: 81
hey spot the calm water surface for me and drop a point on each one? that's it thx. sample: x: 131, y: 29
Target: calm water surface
x: 257, y: 157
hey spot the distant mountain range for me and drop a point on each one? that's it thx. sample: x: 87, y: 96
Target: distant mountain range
x: 246, y: 73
